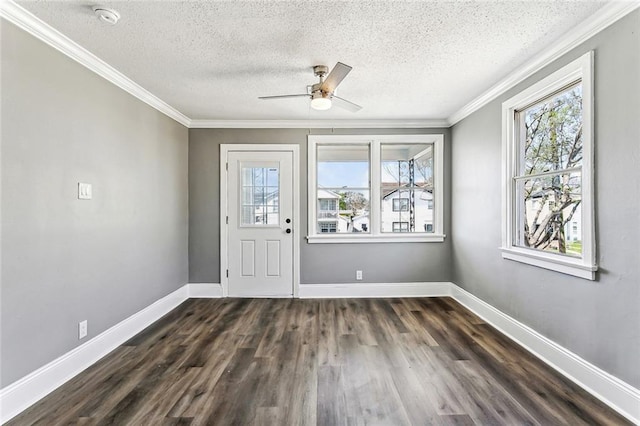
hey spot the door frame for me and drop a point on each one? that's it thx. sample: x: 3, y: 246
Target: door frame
x: 224, y: 204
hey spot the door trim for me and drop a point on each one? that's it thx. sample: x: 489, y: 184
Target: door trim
x: 224, y: 232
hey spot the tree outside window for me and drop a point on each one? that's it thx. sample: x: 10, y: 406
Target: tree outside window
x: 549, y: 185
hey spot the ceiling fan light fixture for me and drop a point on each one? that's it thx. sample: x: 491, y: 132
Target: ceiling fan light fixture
x: 320, y: 101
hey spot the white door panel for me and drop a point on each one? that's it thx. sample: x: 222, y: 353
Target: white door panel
x: 260, y: 213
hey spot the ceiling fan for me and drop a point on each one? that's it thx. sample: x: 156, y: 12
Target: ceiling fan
x: 322, y: 94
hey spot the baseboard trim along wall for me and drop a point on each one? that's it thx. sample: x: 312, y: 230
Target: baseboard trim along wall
x: 327, y: 291
x: 205, y: 290
x: 619, y: 395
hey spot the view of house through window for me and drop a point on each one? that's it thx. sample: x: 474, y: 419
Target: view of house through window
x: 548, y: 178
x: 343, y: 188
x: 375, y: 188
x: 406, y: 188
x: 260, y: 196
x: 406, y: 192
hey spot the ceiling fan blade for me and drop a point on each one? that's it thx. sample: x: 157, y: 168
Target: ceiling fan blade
x: 284, y: 96
x: 343, y: 103
x: 337, y: 74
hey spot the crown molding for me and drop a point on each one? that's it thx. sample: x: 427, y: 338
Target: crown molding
x: 604, y: 17
x: 33, y: 25
x: 317, y: 124
x: 28, y: 22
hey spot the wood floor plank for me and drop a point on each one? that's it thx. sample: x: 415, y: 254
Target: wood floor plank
x: 420, y: 361
x: 332, y: 405
x: 327, y: 333
x: 417, y: 333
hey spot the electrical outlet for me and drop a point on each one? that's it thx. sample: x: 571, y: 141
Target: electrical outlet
x: 359, y: 275
x: 82, y: 329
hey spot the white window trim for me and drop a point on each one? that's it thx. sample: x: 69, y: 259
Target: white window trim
x: 375, y: 236
x: 585, y: 267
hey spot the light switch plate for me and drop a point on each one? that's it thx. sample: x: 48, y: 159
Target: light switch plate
x: 84, y: 191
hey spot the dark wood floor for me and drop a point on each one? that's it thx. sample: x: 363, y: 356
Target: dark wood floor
x: 325, y: 362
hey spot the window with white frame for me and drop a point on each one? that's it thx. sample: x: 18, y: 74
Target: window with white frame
x: 400, y: 204
x: 381, y: 186
x: 400, y: 226
x: 548, y: 172
x: 328, y: 227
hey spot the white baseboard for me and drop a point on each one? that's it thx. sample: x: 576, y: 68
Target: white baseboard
x: 205, y: 290
x: 424, y: 289
x: 23, y: 393
x: 620, y: 396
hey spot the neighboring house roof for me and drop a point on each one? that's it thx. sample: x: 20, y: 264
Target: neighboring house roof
x: 326, y: 194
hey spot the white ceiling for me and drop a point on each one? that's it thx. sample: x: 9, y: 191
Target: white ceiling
x: 411, y: 60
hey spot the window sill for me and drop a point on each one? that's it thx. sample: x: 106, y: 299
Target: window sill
x: 558, y: 263
x: 339, y: 239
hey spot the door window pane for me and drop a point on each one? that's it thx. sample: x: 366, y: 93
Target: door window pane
x: 260, y: 201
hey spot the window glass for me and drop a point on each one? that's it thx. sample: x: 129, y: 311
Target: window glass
x: 369, y: 188
x: 260, y: 202
x: 406, y: 176
x: 548, y: 205
x: 553, y: 133
x: 343, y: 166
x: 549, y: 188
x: 343, y: 188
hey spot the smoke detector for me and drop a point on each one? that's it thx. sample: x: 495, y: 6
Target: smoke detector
x: 109, y: 16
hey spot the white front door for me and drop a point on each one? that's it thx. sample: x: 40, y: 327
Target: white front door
x: 260, y: 223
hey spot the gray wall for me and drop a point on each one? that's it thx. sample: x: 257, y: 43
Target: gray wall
x: 63, y: 259
x: 319, y: 263
x: 598, y: 320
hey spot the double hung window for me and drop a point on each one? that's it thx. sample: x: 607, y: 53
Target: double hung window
x: 375, y: 188
x: 547, y: 147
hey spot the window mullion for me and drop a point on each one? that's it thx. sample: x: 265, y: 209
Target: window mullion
x: 374, y: 183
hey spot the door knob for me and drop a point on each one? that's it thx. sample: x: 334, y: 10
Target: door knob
x: 288, y: 231
x: 288, y: 220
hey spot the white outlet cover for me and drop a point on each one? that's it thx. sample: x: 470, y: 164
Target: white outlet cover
x: 82, y: 329
x: 84, y: 191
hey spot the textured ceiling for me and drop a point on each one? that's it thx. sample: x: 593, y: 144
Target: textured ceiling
x: 411, y: 60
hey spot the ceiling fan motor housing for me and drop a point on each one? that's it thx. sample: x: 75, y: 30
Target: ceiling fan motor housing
x: 320, y: 70
x: 315, y: 89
